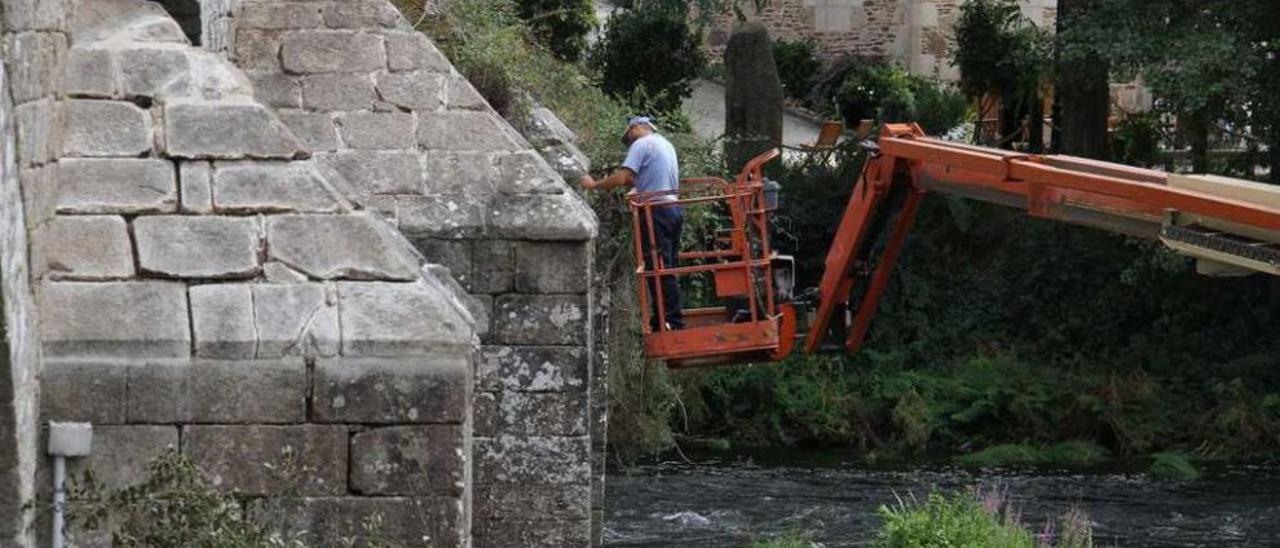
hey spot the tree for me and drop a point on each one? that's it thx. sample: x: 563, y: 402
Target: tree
x: 561, y: 25
x: 649, y: 55
x: 999, y: 52
x: 1082, y: 91
x: 1200, y: 58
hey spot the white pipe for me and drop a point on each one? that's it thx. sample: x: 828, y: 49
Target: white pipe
x: 59, y: 498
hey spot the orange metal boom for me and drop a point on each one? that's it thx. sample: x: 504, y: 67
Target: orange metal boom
x: 1109, y: 196
x: 879, y: 215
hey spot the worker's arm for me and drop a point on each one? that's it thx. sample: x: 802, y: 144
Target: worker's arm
x: 621, y: 177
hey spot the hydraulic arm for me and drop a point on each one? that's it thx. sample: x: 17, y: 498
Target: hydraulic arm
x: 1230, y: 227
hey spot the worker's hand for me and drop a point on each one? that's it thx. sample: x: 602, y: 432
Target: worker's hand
x: 588, y: 182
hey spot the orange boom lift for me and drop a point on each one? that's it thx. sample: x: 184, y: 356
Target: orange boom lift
x: 1230, y: 227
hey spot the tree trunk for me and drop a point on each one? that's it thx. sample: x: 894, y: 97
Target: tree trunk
x: 1198, y: 135
x: 1083, y: 95
x: 1035, y: 112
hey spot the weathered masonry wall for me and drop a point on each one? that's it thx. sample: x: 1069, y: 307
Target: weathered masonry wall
x: 914, y: 33
x: 207, y: 252
x: 34, y: 42
x: 392, y: 122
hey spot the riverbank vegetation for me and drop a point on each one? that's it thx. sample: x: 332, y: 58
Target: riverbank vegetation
x: 1002, y: 340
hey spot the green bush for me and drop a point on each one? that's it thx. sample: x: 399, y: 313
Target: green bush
x: 1136, y: 140
x: 1172, y: 466
x: 649, y: 55
x: 958, y: 520
x: 561, y: 25
x: 887, y: 93
x: 798, y: 65
x: 1003, y: 455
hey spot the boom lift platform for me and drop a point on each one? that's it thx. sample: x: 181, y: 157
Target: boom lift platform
x: 1231, y: 227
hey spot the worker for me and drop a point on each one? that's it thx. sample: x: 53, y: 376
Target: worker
x: 652, y: 168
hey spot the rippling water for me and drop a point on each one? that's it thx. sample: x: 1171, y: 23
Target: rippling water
x: 729, y: 504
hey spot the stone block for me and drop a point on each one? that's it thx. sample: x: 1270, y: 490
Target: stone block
x: 450, y: 216
x: 330, y: 247
x: 549, y: 217
x: 523, y: 414
x: 222, y: 321
x: 34, y: 59
x: 421, y: 91
x: 544, y: 129
x: 460, y: 173
x: 427, y: 459
x: 276, y: 89
x: 105, y: 128
x: 218, y: 391
x: 122, y: 454
x: 40, y: 193
x: 117, y: 186
x: 532, y: 459
x: 299, y: 319
x: 516, y: 501
x: 269, y: 460
x: 198, y: 247
x: 527, y: 173
x: 463, y: 95
x: 466, y: 130
x: 532, y: 532
x: 88, y: 248
x: 84, y: 391
x: 361, y: 14
x: 39, y: 134
x: 91, y: 73
x: 279, y: 273
x: 272, y: 187
x: 314, y: 129
x: 422, y: 521
x: 257, y: 49
x: 387, y: 319
x: 454, y: 255
x: 532, y: 368
x: 568, y: 161
x: 330, y: 92
x: 332, y: 51
x: 494, y: 266
x: 551, y: 267
x: 479, y: 307
x: 34, y: 15
x: 413, y: 51
x: 154, y: 71
x: 414, y: 390
x: 377, y: 172
x: 378, y: 130
x: 540, y: 319
x: 195, y: 180
x: 128, y: 320
x: 278, y: 15
x: 226, y: 131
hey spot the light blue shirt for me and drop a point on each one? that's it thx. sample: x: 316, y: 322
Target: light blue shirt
x: 653, y: 160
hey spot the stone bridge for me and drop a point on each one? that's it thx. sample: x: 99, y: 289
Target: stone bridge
x: 263, y: 230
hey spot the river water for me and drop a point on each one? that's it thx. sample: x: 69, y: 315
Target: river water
x: 733, y: 500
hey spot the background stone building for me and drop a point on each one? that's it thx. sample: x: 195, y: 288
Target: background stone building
x: 259, y: 230
x: 916, y: 34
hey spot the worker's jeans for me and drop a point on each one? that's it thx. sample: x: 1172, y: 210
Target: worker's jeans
x: 667, y: 224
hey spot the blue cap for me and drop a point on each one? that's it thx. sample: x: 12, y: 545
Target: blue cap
x: 637, y: 120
